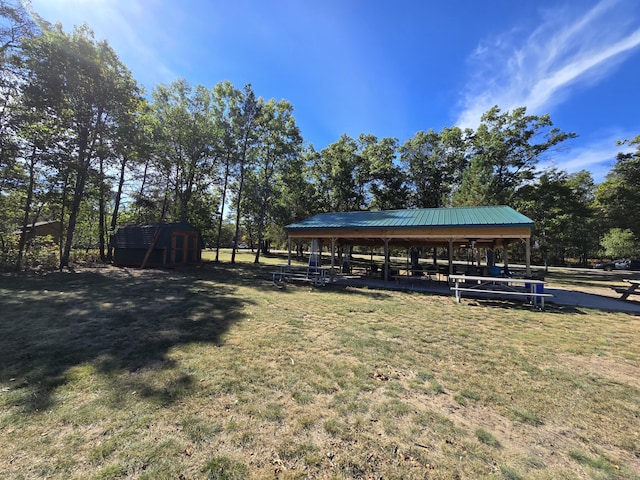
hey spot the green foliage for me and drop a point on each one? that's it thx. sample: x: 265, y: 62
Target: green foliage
x: 487, y: 438
x: 79, y: 88
x: 619, y: 243
x: 279, y: 143
x: 554, y: 202
x: 504, y: 152
x: 618, y: 197
x: 338, y: 173
x: 224, y: 468
x: 596, y: 462
x: 434, y: 162
x: 185, y: 133
x: 386, y: 184
x: 42, y: 254
x: 79, y: 143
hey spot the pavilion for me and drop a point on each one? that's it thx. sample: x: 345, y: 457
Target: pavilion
x: 489, y: 227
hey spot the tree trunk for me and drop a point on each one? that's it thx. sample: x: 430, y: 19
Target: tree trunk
x: 85, y: 152
x: 261, y: 221
x: 224, y: 197
x: 27, y: 210
x: 63, y: 203
x: 102, y: 211
x: 73, y: 214
x: 239, y: 201
x: 141, y: 191
x: 116, y: 207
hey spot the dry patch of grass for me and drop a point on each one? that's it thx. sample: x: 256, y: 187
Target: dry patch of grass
x: 216, y: 373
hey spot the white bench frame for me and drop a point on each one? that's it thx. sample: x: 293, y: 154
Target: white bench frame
x: 286, y: 273
x: 499, y: 286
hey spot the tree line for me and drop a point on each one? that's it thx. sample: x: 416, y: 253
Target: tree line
x: 81, y: 142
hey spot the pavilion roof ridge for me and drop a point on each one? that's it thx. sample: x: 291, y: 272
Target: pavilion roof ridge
x: 467, y: 216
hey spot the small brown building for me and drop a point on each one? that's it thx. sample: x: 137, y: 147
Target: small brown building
x: 42, y: 229
x: 157, y: 245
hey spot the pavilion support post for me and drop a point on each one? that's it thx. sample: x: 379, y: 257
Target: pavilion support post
x: 386, y: 261
x: 528, y: 254
x: 333, y: 256
x: 451, y: 256
x: 408, y: 254
x: 289, y: 251
x: 505, y: 249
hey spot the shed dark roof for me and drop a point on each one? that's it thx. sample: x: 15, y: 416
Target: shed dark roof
x: 493, y: 216
x: 140, y: 236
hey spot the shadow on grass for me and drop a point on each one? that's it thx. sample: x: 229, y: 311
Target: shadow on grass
x: 300, y: 286
x: 550, y: 308
x: 117, y: 320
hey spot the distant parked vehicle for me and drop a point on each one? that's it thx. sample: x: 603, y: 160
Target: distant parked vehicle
x: 634, y: 264
x: 622, y: 264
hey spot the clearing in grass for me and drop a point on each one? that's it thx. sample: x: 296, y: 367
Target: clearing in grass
x: 213, y: 372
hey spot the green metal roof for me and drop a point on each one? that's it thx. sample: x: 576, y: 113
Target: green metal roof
x: 498, y: 216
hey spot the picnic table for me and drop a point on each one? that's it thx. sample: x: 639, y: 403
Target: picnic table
x: 630, y: 290
x: 524, y: 287
x: 285, y: 273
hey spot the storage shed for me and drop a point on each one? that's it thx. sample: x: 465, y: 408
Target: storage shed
x: 42, y: 229
x: 157, y: 245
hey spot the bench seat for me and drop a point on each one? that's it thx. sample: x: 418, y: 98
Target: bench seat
x: 625, y: 292
x: 504, y: 292
x: 499, y: 292
x: 314, y: 277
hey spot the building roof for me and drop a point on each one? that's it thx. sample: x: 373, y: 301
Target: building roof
x: 141, y: 236
x: 464, y: 217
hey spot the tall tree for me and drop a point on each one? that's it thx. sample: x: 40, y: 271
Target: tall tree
x: 17, y: 179
x: 83, y: 86
x: 295, y: 199
x: 560, y: 206
x: 387, y: 188
x: 585, y: 226
x: 618, y: 197
x: 620, y: 243
x: 340, y: 174
x: 225, y: 95
x: 245, y: 112
x: 279, y: 143
x: 504, y: 151
x: 130, y: 148
x: 186, y: 136
x: 433, y: 162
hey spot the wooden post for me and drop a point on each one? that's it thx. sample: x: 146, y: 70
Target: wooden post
x: 528, y: 254
x: 451, y: 256
x: 333, y: 256
x: 505, y: 248
x: 386, y: 261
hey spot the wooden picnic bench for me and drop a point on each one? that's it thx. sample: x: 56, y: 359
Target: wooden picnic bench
x: 630, y: 290
x: 500, y: 286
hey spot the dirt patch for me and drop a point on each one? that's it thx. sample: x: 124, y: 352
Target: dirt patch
x: 624, y: 373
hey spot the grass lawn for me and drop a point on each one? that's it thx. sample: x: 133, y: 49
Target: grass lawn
x: 214, y: 372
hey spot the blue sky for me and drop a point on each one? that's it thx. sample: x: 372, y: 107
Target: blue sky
x: 394, y: 68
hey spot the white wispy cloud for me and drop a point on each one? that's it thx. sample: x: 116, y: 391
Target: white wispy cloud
x: 535, y: 70
x: 597, y: 156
